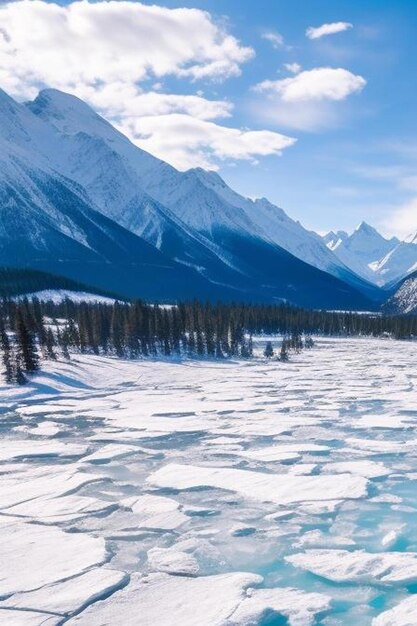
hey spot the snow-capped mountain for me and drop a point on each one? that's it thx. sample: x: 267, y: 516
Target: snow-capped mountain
x: 367, y: 253
x: 48, y: 221
x: 362, y: 250
x: 151, y: 199
x: 78, y: 198
x: 404, y: 299
x: 334, y: 239
x: 398, y: 262
x: 111, y: 169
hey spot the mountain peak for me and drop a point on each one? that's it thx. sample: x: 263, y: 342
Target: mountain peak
x: 412, y: 238
x: 66, y: 112
x: 365, y: 228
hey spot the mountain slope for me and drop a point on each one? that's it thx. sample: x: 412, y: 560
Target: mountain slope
x: 110, y: 168
x: 404, y: 299
x: 114, y: 172
x: 48, y: 221
x: 193, y: 216
x: 334, y: 239
x: 379, y: 260
x: 399, y: 262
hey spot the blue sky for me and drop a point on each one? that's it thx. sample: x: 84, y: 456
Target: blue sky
x: 233, y: 87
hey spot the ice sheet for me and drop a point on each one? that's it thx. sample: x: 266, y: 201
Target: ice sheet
x: 177, y: 473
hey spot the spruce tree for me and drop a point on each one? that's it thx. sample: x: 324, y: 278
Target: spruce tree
x: 64, y: 343
x: 283, y: 355
x: 27, y: 353
x: 20, y: 378
x: 7, y: 356
x: 50, y: 344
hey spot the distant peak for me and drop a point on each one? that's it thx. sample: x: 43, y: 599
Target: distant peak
x: 412, y: 238
x: 363, y: 227
x: 335, y: 237
x: 342, y: 234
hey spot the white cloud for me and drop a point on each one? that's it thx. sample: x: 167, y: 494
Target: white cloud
x: 276, y: 39
x: 88, y: 42
x: 403, y: 220
x: 321, y: 83
x: 189, y: 142
x: 294, y: 68
x: 327, y: 29
x: 104, y: 52
x: 124, y: 100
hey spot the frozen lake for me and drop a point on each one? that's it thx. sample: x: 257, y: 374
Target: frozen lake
x: 140, y: 493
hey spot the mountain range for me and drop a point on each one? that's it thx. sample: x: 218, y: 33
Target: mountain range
x: 78, y: 199
x: 381, y: 261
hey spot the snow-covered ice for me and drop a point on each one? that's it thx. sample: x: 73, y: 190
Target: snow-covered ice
x: 218, y: 493
x: 35, y: 555
x: 404, y: 614
x: 231, y: 599
x: 358, y: 565
x: 278, y: 488
x: 69, y: 596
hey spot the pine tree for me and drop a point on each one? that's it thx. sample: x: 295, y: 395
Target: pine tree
x: 64, y: 341
x: 20, y: 378
x: 191, y: 344
x: 7, y: 356
x: 26, y: 348
x: 50, y: 344
x: 117, y: 330
x: 309, y: 343
x: 283, y: 355
x: 250, y: 347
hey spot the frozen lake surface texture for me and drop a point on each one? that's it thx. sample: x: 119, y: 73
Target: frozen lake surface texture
x: 203, y: 493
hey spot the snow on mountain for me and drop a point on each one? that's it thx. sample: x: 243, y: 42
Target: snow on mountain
x: 362, y: 250
x: 272, y: 224
x: 404, y: 300
x: 113, y: 171
x: 399, y: 262
x: 57, y: 296
x: 177, y: 212
x: 368, y: 254
x: 333, y: 240
x: 49, y: 222
x: 192, y: 217
x: 79, y: 199
x: 151, y: 198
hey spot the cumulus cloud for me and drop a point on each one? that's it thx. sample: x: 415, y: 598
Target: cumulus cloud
x: 327, y: 29
x: 276, y: 39
x: 201, y: 142
x: 109, y: 41
x: 321, y: 83
x: 107, y: 52
x: 124, y: 100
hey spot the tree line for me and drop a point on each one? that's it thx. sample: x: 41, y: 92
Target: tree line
x: 33, y: 329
